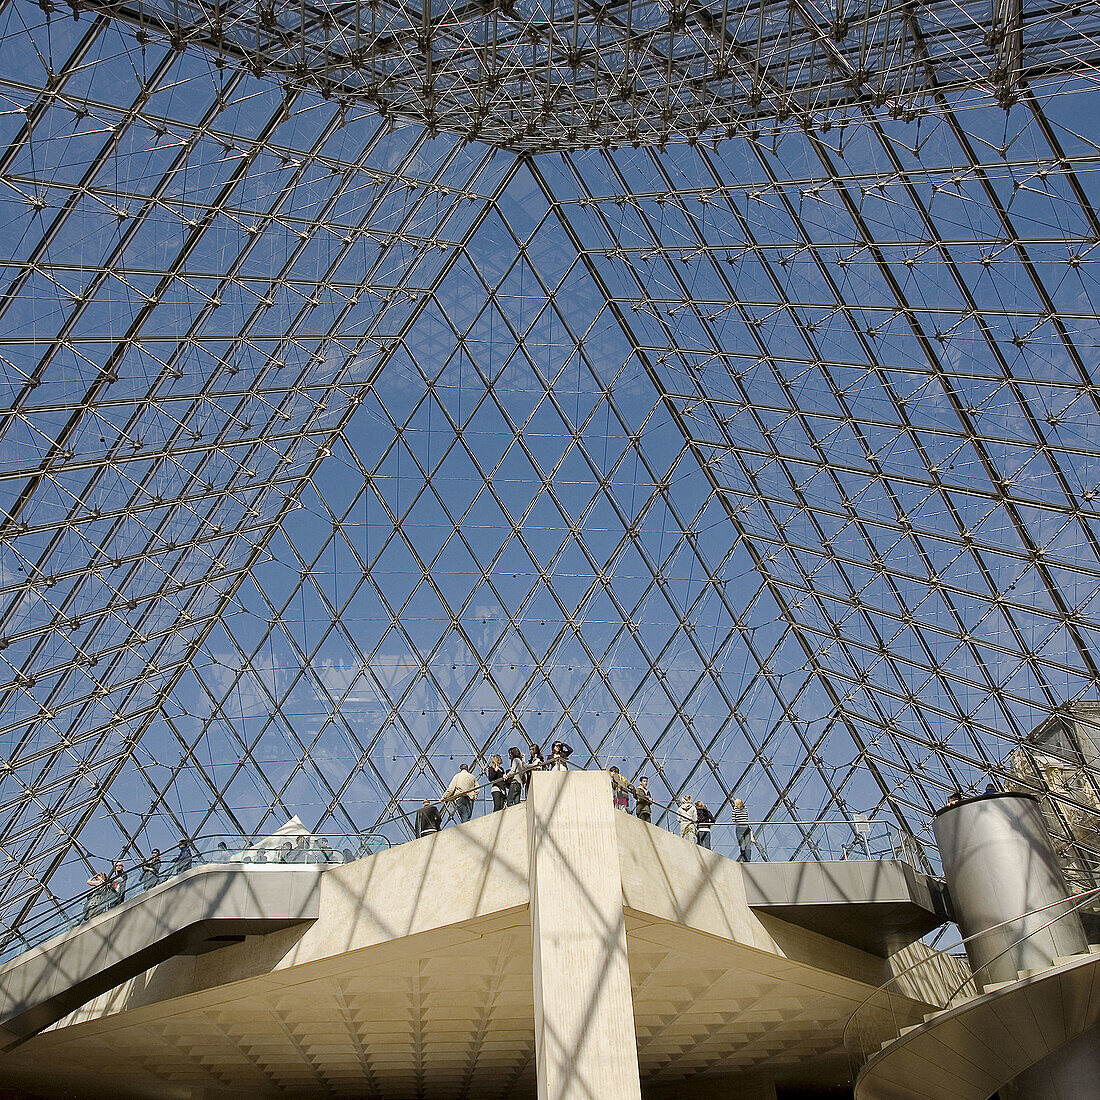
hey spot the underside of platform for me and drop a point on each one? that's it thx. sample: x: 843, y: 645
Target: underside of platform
x: 418, y: 977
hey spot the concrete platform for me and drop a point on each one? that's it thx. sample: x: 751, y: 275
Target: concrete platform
x: 418, y: 978
x: 879, y: 906
x: 200, y: 910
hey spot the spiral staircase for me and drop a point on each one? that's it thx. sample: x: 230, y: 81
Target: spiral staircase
x: 999, y: 1038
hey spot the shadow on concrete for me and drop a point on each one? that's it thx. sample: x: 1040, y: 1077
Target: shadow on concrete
x: 200, y: 910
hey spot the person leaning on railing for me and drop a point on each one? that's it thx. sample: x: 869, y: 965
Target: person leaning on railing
x: 428, y: 818
x: 703, y: 821
x: 116, y: 883
x: 184, y: 859
x: 559, y: 757
x: 535, y: 763
x: 685, y: 813
x: 621, y: 790
x: 98, y: 899
x: 643, y: 800
x: 497, y: 784
x: 462, y: 792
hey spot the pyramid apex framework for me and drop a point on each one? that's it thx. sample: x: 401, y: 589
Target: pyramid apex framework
x: 533, y: 78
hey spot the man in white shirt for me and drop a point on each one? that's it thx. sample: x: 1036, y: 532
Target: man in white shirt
x: 462, y: 792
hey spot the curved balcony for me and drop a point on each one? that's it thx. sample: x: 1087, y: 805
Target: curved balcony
x: 983, y: 1037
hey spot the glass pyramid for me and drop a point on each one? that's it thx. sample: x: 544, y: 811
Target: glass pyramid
x: 708, y: 387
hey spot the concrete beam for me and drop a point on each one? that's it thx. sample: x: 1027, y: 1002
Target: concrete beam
x: 585, y: 1043
x: 739, y: 1087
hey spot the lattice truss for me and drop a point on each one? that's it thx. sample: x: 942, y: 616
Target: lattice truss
x: 334, y: 452
x: 533, y: 75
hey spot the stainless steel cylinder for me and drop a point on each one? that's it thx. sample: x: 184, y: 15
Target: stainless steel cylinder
x: 1000, y: 865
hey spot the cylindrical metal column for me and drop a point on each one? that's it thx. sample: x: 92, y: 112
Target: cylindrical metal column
x: 1072, y: 1072
x: 999, y: 865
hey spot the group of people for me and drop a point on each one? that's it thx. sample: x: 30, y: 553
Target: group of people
x: 303, y: 850
x: 956, y: 796
x: 695, y: 820
x: 108, y: 888
x: 508, y: 783
x: 693, y: 815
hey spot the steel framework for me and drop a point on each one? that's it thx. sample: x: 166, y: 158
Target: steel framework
x: 534, y: 77
x: 336, y: 445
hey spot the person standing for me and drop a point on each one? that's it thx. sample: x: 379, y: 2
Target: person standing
x: 99, y: 897
x: 685, y: 811
x: 150, y: 870
x: 462, y: 792
x: 116, y: 883
x: 744, y: 832
x: 643, y: 800
x: 535, y: 763
x: 620, y: 791
x: 703, y: 820
x: 428, y: 818
x: 559, y: 755
x: 514, y: 775
x: 495, y: 774
x: 185, y: 858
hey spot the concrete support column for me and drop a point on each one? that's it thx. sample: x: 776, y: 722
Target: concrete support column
x: 585, y: 1044
x: 999, y: 864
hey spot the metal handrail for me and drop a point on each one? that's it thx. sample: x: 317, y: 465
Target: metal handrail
x: 861, y: 836
x: 858, y: 837
x: 83, y: 905
x: 1077, y: 900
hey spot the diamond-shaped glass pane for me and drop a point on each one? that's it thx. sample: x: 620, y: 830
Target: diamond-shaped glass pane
x: 744, y: 436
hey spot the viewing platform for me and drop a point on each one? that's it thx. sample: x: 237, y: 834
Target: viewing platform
x: 509, y: 956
